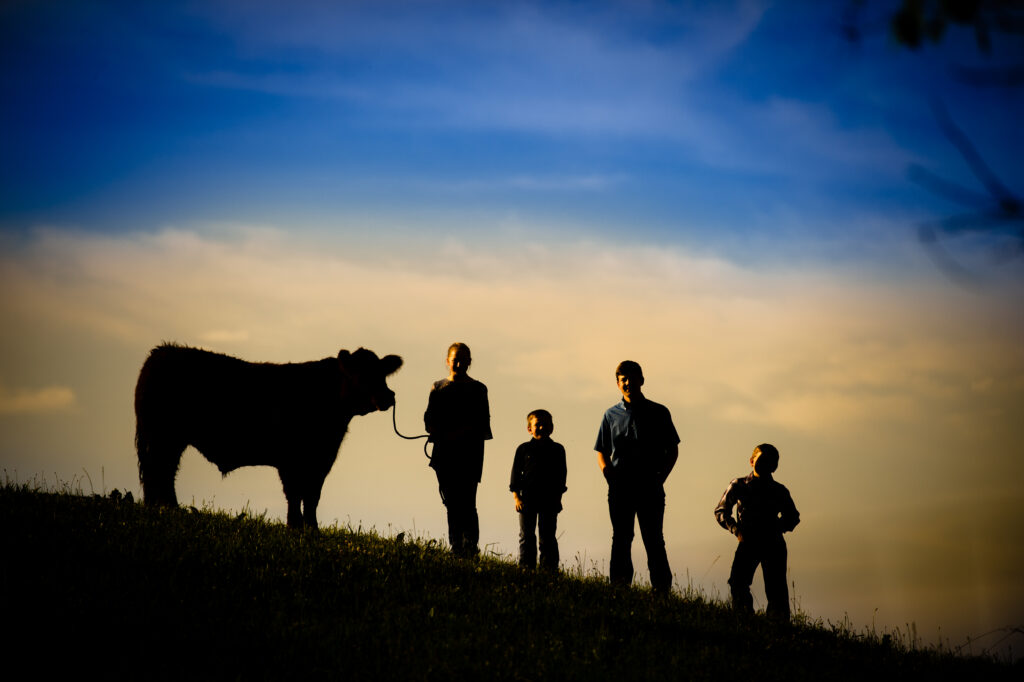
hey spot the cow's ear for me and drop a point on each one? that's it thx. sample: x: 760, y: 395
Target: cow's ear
x: 390, y: 364
x: 343, y: 356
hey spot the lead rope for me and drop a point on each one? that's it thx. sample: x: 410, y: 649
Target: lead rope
x: 394, y: 422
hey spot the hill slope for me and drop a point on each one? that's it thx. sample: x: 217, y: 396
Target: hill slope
x: 112, y: 587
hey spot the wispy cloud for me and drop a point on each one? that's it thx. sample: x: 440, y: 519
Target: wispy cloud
x: 224, y: 336
x: 593, y: 182
x: 28, y: 401
x: 830, y: 352
x: 526, y: 67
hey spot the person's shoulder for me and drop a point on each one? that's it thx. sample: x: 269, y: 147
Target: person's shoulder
x: 738, y: 484
x: 555, y: 445
x: 439, y: 384
x: 468, y: 383
x: 779, y: 487
x: 657, y: 407
x: 615, y: 410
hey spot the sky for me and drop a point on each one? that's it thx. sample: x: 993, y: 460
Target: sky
x: 732, y: 194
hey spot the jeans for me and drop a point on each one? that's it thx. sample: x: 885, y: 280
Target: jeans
x: 771, y: 554
x: 546, y: 522
x: 643, y: 502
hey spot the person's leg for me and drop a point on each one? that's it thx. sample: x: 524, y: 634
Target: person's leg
x: 744, y: 563
x: 651, y: 518
x: 623, y: 514
x: 548, y: 530
x: 448, y: 499
x: 463, y: 523
x: 528, y: 538
x: 773, y: 565
x: 471, y: 532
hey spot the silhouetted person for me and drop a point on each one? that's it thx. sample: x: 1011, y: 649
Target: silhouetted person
x: 458, y: 419
x: 764, y: 511
x: 537, y: 484
x: 637, y: 447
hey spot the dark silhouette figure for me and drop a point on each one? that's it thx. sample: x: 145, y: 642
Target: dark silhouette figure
x: 458, y: 419
x: 637, y: 446
x: 764, y: 511
x: 537, y: 484
x: 292, y: 417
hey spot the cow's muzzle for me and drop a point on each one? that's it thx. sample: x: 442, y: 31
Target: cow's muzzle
x: 384, y: 401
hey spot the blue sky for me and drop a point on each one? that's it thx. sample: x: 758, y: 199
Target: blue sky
x: 719, y: 191
x: 687, y: 120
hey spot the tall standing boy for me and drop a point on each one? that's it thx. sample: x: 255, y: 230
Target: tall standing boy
x: 637, y: 446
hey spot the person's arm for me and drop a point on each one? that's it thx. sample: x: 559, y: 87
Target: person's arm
x: 429, y: 415
x: 563, y: 471
x: 671, y: 457
x: 603, y: 447
x: 515, y: 483
x: 789, y: 517
x: 485, y: 415
x: 723, y: 512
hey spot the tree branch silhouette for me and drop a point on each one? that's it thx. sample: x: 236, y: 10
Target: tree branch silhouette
x: 998, y: 212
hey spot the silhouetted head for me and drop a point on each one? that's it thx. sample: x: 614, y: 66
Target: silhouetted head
x: 367, y: 387
x: 459, y: 359
x: 630, y: 379
x: 765, y: 460
x: 540, y: 423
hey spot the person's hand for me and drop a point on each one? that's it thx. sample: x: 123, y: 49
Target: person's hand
x: 609, y: 473
x: 738, y: 534
x: 519, y: 502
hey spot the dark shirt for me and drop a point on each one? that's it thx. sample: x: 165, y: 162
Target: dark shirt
x: 637, y: 437
x: 538, y: 474
x: 764, y: 508
x: 458, y: 419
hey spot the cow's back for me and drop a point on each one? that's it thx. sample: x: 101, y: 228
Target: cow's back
x: 238, y: 413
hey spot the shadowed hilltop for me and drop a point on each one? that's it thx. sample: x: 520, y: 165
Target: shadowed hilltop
x: 106, y: 585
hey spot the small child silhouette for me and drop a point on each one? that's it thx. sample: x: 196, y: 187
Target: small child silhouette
x: 537, y: 484
x: 764, y: 511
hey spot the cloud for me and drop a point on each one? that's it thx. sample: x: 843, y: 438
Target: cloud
x: 830, y: 351
x: 224, y: 336
x: 616, y: 69
x: 593, y: 182
x: 35, y: 401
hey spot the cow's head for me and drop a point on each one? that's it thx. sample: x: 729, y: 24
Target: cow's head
x: 367, y: 389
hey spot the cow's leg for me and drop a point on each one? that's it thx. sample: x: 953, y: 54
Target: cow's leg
x: 292, y: 493
x: 158, y: 467
x: 310, y: 500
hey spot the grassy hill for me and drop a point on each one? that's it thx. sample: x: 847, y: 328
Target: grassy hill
x: 96, y: 585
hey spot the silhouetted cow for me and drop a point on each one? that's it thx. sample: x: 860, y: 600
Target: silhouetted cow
x: 236, y: 413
